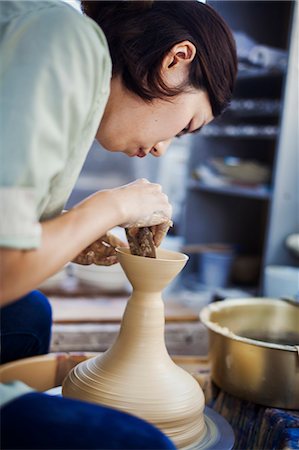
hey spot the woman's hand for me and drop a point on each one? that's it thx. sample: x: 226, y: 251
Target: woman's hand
x: 143, y: 204
x: 146, y: 205
x: 101, y: 252
x: 160, y: 231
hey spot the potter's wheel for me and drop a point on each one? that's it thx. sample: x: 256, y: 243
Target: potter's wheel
x: 219, y: 433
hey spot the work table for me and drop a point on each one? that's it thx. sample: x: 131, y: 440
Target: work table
x: 92, y: 323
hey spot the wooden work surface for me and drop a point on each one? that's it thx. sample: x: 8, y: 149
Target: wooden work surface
x: 108, y: 310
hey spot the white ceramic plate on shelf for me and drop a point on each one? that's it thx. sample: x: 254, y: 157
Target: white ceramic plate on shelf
x: 55, y: 280
x: 240, y: 170
x: 108, y: 278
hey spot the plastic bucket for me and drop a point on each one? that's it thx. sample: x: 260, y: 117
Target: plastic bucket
x: 215, y: 268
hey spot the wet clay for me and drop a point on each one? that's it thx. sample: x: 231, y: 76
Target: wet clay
x: 136, y: 374
x: 141, y: 242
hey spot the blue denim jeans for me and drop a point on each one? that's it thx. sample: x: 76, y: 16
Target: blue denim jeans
x: 25, y: 327
x: 40, y: 421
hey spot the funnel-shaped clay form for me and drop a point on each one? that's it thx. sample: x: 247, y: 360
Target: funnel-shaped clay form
x: 136, y: 374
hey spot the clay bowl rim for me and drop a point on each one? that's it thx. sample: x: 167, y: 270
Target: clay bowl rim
x: 229, y: 304
x: 180, y: 256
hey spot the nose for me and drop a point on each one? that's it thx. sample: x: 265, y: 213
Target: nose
x: 160, y: 148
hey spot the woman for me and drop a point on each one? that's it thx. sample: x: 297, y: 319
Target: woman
x: 133, y: 75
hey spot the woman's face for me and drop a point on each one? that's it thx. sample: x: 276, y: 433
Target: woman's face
x: 137, y: 128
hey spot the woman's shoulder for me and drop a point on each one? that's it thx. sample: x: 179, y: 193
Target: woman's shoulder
x: 31, y: 11
x: 65, y: 19
x: 51, y: 21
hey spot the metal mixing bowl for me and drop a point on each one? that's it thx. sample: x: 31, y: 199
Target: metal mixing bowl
x: 254, y: 349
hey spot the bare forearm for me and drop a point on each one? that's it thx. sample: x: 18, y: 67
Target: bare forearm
x: 62, y: 239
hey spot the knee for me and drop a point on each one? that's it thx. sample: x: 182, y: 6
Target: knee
x: 39, y: 308
x: 26, y: 327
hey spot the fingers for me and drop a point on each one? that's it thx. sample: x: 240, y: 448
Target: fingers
x: 160, y: 231
x: 142, y: 204
x: 113, y: 240
x: 157, y: 218
x: 84, y: 258
x: 101, y: 252
x: 142, y: 180
x: 106, y: 261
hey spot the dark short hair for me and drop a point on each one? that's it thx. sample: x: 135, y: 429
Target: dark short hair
x: 140, y: 33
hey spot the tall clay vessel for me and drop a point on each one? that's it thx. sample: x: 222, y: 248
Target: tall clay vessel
x: 136, y: 374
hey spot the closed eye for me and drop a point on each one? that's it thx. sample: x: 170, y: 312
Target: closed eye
x: 187, y: 130
x: 184, y: 131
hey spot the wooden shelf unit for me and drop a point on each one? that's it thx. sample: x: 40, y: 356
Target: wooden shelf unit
x: 258, y: 126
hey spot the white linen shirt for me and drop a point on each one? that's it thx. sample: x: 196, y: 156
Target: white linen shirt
x: 55, y: 72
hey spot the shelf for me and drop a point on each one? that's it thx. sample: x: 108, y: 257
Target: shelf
x: 190, y: 282
x: 259, y: 126
x: 252, y: 107
x: 247, y: 71
x: 241, y: 131
x: 239, y: 191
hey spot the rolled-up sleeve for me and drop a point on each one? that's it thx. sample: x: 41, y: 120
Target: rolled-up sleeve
x: 19, y: 225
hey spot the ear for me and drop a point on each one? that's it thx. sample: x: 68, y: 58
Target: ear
x: 176, y: 63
